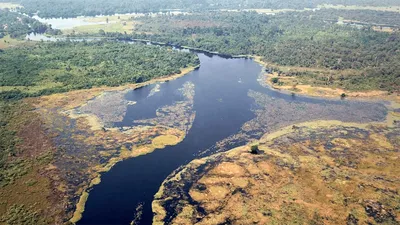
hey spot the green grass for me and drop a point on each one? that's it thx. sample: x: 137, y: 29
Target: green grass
x: 120, y: 24
x: 110, y: 27
x: 7, y: 42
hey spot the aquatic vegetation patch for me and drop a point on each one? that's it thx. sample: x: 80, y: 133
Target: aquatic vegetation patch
x: 180, y: 115
x: 275, y: 113
x: 162, y: 141
x: 109, y: 107
x: 329, y: 174
x: 87, y: 145
x: 80, y: 207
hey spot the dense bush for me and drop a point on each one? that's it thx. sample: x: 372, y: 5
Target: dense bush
x: 302, y: 39
x: 49, y: 68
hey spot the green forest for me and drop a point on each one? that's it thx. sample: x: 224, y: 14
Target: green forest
x: 17, y: 25
x: 73, y: 8
x: 305, y: 39
x: 48, y: 68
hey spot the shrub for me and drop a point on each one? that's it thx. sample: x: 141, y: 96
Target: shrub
x: 254, y: 149
x: 275, y: 80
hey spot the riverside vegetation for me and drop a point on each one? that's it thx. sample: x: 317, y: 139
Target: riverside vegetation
x: 309, y: 46
x: 32, y: 130
x: 53, y: 94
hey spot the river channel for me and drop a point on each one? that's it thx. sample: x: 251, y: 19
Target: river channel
x: 228, y: 102
x: 231, y: 108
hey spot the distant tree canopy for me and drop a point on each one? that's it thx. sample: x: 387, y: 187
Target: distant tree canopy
x: 17, y: 25
x: 303, y: 39
x: 73, y: 8
x: 62, y: 66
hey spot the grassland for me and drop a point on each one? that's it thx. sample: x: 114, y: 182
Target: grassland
x: 120, y: 24
x: 395, y: 8
x: 7, y: 42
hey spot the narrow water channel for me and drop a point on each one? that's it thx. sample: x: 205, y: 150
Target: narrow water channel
x: 222, y: 105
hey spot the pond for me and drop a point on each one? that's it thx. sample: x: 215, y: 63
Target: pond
x: 231, y: 108
x: 70, y: 23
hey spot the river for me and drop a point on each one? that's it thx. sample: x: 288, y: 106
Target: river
x: 231, y: 108
x: 223, y: 103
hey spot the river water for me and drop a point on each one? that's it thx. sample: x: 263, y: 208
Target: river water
x: 224, y: 101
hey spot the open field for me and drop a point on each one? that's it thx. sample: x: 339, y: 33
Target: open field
x: 120, y: 27
x: 7, y: 42
x: 121, y: 24
x: 355, y: 7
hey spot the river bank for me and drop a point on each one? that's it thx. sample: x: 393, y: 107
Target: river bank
x: 319, y: 91
x: 64, y: 104
x: 49, y: 133
x: 327, y: 160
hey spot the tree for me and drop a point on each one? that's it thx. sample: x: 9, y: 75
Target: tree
x: 254, y: 149
x: 102, y: 32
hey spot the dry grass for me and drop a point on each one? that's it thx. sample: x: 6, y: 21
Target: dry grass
x: 310, y: 175
x: 164, y: 140
x: 80, y: 208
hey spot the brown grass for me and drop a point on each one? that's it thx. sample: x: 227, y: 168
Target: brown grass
x: 310, y: 175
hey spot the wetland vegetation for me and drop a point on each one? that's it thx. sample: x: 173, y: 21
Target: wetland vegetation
x: 313, y: 173
x: 95, y: 103
x: 40, y: 138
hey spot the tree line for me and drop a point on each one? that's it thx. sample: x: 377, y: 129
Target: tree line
x: 73, y: 8
x: 304, y: 39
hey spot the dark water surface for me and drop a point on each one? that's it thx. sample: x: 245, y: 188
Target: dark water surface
x: 222, y: 106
